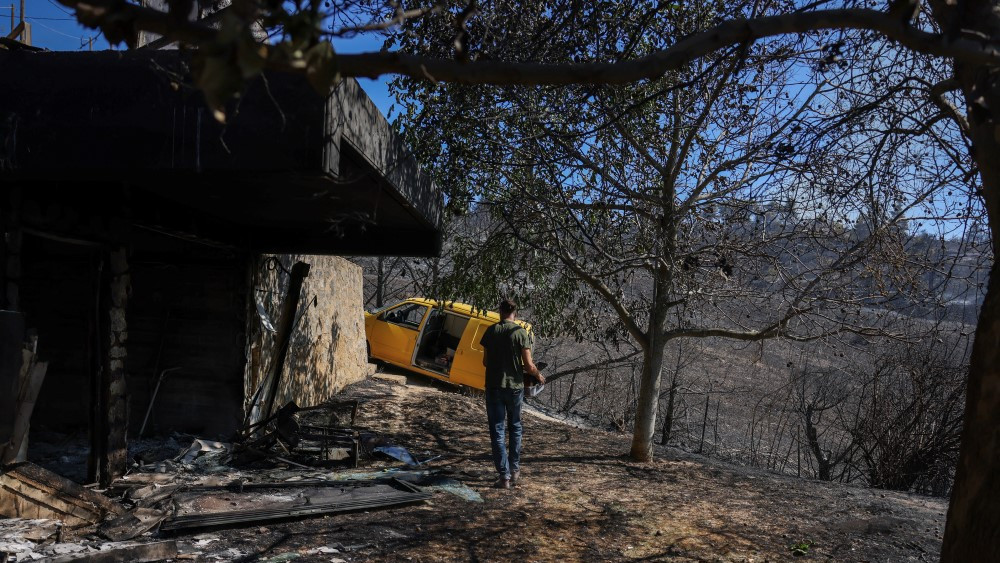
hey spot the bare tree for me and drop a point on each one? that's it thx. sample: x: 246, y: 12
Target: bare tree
x: 686, y: 207
x: 823, y: 394
x: 906, y: 430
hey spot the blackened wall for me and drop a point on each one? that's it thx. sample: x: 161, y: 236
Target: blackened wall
x: 59, y: 300
x: 187, y: 311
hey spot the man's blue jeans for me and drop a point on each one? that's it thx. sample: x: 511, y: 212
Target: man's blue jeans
x: 503, y: 411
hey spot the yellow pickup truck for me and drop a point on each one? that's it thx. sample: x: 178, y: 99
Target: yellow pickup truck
x: 440, y: 340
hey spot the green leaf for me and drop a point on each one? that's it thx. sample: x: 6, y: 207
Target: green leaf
x: 800, y: 548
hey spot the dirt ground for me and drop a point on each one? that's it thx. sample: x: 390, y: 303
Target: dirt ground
x: 583, y: 500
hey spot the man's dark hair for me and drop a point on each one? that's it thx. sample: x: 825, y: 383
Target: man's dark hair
x: 507, y: 307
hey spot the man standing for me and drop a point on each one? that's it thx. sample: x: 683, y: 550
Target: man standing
x: 507, y: 357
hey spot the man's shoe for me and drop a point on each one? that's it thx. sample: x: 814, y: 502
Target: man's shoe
x: 502, y: 483
x: 515, y: 478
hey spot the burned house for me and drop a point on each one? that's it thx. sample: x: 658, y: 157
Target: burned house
x: 154, y: 257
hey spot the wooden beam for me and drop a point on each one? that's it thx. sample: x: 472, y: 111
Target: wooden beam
x: 138, y: 553
x: 16, y: 31
x: 29, y: 384
x: 29, y: 491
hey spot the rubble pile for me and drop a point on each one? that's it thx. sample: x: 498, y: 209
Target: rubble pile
x: 299, y: 463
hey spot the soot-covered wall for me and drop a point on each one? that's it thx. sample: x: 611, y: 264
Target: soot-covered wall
x: 58, y: 295
x: 187, y: 311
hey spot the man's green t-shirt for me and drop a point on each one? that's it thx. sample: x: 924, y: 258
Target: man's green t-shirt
x: 504, y: 342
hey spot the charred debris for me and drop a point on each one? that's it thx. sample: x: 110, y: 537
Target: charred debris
x: 175, y: 319
x: 299, y: 463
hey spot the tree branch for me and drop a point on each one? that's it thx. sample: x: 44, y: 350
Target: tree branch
x: 937, y: 93
x: 603, y: 364
x: 97, y: 13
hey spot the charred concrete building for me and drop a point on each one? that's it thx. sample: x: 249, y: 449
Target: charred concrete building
x: 148, y: 249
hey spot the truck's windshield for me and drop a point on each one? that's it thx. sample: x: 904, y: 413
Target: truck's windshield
x: 407, y: 315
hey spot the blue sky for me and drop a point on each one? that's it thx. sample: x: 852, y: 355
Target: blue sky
x: 54, y: 27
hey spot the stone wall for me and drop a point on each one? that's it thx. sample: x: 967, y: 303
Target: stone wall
x: 327, y: 349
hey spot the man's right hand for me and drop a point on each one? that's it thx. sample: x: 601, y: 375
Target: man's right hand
x: 530, y: 368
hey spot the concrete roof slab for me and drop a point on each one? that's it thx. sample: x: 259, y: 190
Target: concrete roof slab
x: 290, y: 170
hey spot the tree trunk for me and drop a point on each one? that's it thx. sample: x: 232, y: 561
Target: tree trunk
x: 974, y: 512
x: 648, y: 399
x: 812, y: 436
x: 652, y: 353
